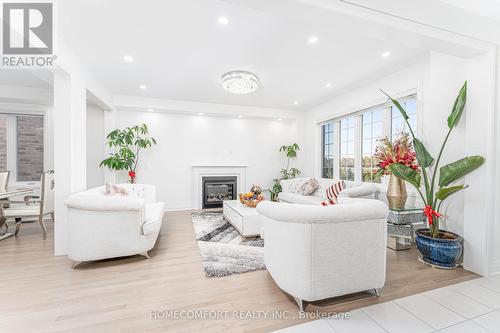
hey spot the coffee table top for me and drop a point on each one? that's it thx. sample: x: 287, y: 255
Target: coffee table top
x: 240, y: 208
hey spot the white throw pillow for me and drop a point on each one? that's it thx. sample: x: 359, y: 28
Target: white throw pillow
x: 112, y: 189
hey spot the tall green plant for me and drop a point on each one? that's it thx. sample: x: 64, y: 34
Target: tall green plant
x: 127, y: 144
x: 290, y: 153
x: 434, y: 194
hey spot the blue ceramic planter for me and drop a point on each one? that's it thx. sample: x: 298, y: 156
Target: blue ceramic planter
x: 439, y: 252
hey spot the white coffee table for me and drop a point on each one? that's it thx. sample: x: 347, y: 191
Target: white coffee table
x: 245, y: 219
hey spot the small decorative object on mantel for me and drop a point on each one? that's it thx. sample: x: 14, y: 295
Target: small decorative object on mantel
x: 252, y: 198
x: 438, y: 248
x: 401, y: 152
x: 127, y: 144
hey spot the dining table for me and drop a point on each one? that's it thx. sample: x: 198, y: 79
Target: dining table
x: 5, y: 202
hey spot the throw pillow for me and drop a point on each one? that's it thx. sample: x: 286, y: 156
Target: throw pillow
x: 112, y: 189
x: 309, y: 187
x: 332, y: 193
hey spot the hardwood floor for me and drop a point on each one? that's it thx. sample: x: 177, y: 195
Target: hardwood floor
x: 42, y: 293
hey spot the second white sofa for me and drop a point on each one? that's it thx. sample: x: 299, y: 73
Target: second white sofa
x: 290, y: 191
x: 101, y: 226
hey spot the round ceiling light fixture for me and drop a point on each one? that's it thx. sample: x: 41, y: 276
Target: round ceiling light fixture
x: 240, y: 82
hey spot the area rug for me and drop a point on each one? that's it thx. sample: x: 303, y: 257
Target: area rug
x: 223, y: 250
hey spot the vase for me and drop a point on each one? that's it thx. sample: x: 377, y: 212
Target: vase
x: 444, y: 252
x: 396, y: 192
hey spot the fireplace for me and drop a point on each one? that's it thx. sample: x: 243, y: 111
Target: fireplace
x: 216, y: 189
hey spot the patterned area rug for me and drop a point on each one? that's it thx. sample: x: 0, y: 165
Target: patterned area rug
x: 223, y: 250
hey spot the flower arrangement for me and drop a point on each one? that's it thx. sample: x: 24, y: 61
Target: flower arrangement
x: 400, y: 151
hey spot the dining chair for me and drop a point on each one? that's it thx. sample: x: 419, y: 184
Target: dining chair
x: 4, y: 180
x: 36, y: 209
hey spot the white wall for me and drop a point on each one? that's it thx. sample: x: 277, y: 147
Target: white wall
x: 187, y: 140
x: 95, y: 145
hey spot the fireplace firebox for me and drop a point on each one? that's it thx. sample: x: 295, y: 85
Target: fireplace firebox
x: 217, y: 189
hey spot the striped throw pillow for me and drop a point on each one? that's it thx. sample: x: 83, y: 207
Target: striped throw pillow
x: 332, y: 193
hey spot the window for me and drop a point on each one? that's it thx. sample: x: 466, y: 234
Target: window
x: 398, y: 124
x: 347, y: 142
x: 328, y: 149
x: 21, y: 146
x: 372, y: 131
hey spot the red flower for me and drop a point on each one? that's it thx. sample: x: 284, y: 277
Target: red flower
x: 131, y: 174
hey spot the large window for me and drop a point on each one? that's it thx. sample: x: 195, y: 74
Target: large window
x: 328, y: 149
x: 398, y: 124
x: 349, y: 154
x: 347, y: 142
x: 372, y: 131
x: 21, y: 146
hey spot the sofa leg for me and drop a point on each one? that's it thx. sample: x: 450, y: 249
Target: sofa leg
x: 75, y: 263
x: 376, y: 292
x: 300, y: 303
x: 146, y: 254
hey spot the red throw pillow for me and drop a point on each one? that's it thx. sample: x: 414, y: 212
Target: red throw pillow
x: 332, y: 193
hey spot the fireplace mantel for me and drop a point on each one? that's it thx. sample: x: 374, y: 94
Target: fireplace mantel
x: 207, y: 170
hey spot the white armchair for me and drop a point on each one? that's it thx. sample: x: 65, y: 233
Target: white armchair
x: 316, y: 252
x: 290, y: 188
x: 101, y: 226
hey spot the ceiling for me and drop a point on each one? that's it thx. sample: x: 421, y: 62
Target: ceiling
x: 180, y: 51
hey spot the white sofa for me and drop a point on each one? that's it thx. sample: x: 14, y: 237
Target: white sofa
x: 317, y: 252
x: 101, y: 226
x: 290, y: 188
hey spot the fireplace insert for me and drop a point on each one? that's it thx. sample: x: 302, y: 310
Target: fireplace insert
x: 217, y: 189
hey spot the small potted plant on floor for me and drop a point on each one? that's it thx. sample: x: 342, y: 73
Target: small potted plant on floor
x: 127, y: 143
x: 437, y: 247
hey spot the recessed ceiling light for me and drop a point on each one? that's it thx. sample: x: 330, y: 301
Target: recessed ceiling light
x: 240, y: 116
x: 200, y: 113
x: 143, y: 87
x: 150, y: 110
x: 128, y: 58
x: 313, y: 39
x: 295, y: 103
x: 280, y: 119
x: 328, y: 85
x: 385, y: 54
x: 223, y: 20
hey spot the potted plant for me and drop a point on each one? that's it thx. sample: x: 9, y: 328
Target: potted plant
x: 128, y: 143
x: 437, y: 247
x: 290, y: 152
x: 400, y: 151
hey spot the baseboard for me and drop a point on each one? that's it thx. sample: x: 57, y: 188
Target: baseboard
x: 179, y: 209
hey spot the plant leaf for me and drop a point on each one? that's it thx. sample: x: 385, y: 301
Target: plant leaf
x: 458, y: 107
x: 445, y: 192
x: 406, y: 173
x: 398, y: 105
x: 424, y: 158
x: 456, y: 170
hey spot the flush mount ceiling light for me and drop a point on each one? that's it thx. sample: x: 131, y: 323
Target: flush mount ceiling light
x: 240, y: 82
x: 223, y: 20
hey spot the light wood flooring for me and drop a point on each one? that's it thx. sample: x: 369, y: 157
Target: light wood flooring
x: 42, y: 293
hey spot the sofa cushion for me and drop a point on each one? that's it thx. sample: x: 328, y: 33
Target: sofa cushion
x: 309, y: 187
x: 299, y: 198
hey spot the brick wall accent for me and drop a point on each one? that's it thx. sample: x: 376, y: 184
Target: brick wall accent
x: 29, y: 148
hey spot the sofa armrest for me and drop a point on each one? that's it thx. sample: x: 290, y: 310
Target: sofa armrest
x: 357, y: 210
x: 362, y: 190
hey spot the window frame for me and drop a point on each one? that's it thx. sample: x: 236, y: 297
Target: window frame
x: 386, y: 119
x: 12, y: 142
